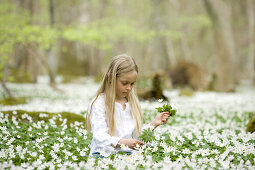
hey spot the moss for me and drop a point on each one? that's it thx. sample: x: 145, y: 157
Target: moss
x: 17, y: 75
x: 251, y: 124
x: 71, y: 117
x: 186, y: 92
x: 13, y: 101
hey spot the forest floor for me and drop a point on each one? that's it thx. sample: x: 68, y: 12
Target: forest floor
x: 208, y: 130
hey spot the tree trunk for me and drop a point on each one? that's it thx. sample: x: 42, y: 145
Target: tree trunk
x: 251, y: 25
x: 29, y: 64
x: 160, y: 55
x: 186, y: 53
x: 51, y: 55
x: 224, y: 42
x: 52, y: 12
x: 172, y: 57
x: 38, y: 55
x: 3, y: 82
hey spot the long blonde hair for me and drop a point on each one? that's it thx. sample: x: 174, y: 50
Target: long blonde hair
x: 119, y: 65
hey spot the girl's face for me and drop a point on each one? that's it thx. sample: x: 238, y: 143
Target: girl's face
x: 124, y: 83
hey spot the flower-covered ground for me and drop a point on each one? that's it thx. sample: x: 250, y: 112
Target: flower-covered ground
x: 207, y: 132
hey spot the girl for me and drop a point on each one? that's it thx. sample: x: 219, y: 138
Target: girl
x: 114, y: 115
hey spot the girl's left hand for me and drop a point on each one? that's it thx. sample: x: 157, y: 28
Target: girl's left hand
x: 160, y: 119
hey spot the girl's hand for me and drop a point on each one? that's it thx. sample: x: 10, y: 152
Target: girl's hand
x: 160, y: 119
x: 131, y: 143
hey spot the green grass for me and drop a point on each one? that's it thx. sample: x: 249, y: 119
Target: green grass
x: 13, y: 101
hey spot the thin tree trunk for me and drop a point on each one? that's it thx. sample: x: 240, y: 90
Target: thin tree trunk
x: 166, y: 56
x: 52, y: 59
x: 251, y: 25
x: 52, y: 12
x: 3, y: 82
x: 171, y: 54
x: 185, y: 49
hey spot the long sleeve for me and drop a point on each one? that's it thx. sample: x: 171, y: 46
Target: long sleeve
x: 101, y: 138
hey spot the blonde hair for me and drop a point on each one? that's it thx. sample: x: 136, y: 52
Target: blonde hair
x: 118, y: 66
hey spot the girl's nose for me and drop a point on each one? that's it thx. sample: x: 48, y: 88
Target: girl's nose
x: 129, y: 87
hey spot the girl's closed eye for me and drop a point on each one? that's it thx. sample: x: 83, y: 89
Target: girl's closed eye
x: 127, y: 83
x: 124, y: 83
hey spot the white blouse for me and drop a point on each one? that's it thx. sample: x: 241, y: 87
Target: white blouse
x: 125, y: 127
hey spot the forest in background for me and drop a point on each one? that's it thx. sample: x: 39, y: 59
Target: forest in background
x: 78, y: 37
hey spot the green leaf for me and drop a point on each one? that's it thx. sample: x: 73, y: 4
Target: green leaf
x: 167, y: 108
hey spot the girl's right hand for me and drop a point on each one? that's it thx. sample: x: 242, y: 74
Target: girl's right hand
x: 131, y: 143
